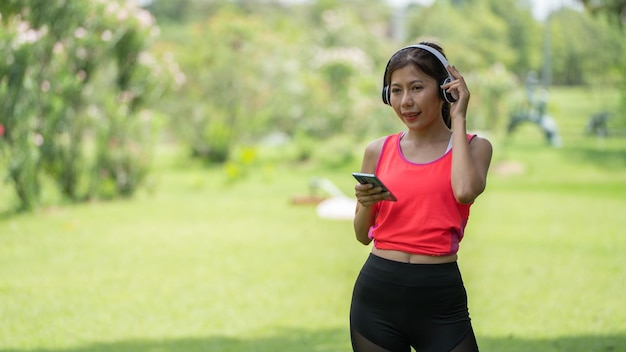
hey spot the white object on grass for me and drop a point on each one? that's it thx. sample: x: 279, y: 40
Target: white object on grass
x: 338, y: 206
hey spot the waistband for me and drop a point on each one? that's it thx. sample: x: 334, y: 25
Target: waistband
x: 409, y: 274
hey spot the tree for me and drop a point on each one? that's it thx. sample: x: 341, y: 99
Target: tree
x: 250, y: 75
x: 314, y: 68
x: 239, y: 81
x: 613, y: 9
x: 574, y: 60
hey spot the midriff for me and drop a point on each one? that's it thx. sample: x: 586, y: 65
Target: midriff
x: 404, y: 257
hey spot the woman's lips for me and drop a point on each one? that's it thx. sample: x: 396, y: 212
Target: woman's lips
x: 410, y: 116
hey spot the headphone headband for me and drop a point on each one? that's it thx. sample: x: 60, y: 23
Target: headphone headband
x: 435, y: 52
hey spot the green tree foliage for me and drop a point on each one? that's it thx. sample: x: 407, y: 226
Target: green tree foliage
x: 252, y: 73
x: 479, y: 34
x: 75, y: 78
x: 585, y: 50
x: 522, y: 35
x: 615, y: 10
x: 314, y: 69
x: 235, y: 84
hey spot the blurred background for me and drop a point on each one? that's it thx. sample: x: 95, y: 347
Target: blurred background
x: 92, y: 88
x: 168, y: 169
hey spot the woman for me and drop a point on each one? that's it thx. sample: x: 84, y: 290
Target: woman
x: 409, y: 292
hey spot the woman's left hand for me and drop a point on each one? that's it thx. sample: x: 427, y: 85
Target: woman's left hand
x: 459, y: 89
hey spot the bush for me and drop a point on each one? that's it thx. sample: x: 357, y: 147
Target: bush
x: 73, y: 72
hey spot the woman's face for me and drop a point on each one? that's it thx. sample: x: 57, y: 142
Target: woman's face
x: 414, y: 97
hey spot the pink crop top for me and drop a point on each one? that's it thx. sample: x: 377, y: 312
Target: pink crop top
x: 426, y: 219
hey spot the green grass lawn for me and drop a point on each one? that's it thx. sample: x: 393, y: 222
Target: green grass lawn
x: 204, y: 263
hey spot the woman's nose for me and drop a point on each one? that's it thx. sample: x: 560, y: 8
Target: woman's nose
x: 407, y: 99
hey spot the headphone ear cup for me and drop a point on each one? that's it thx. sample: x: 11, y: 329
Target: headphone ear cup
x: 385, y: 95
x: 446, y: 96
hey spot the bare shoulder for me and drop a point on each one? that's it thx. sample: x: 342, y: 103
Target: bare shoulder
x: 481, y: 145
x: 372, y: 153
x: 482, y: 151
x: 374, y: 147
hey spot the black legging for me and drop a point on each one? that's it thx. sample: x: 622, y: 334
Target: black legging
x: 396, y: 306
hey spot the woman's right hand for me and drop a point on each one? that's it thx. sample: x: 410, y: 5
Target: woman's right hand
x: 368, y: 195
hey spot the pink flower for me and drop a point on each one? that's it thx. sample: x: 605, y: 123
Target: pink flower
x: 1, y: 130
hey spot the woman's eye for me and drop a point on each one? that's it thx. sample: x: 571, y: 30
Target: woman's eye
x: 395, y: 90
x: 417, y: 88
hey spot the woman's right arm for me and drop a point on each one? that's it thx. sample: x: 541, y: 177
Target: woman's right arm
x: 367, y: 195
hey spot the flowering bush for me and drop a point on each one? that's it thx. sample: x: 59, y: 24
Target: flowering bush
x: 76, y: 80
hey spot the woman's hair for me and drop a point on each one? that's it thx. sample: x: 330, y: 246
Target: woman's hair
x: 425, y: 62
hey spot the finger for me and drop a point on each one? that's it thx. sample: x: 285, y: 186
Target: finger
x: 370, y: 192
x: 454, y: 71
x: 371, y: 197
x: 363, y: 186
x: 457, y: 85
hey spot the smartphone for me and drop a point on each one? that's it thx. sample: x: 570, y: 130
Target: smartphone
x: 372, y: 179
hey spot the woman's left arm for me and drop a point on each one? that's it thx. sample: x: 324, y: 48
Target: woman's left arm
x: 470, y: 163
x: 470, y: 159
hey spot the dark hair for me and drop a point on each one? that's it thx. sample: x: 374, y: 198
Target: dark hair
x: 425, y: 62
